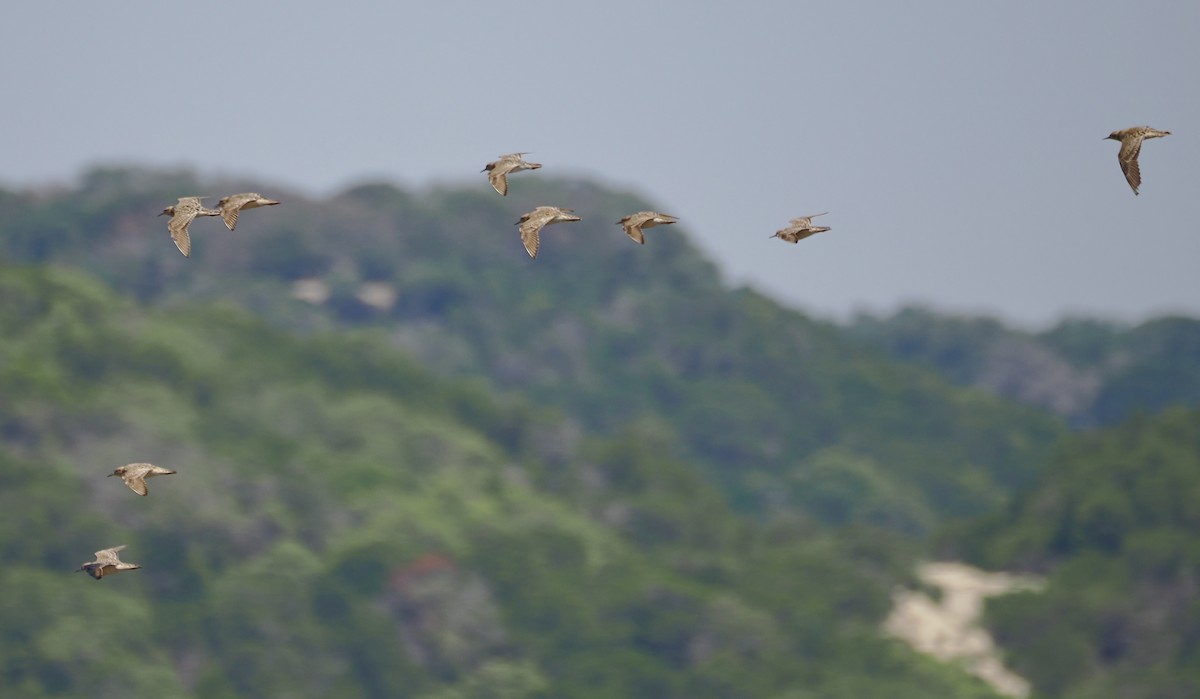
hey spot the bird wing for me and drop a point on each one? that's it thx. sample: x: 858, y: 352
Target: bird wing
x: 805, y: 221
x: 635, y: 232
x: 136, y: 483
x: 498, y: 179
x: 178, y: 226
x: 109, y: 556
x: 230, y: 206
x: 229, y: 214
x: 529, y: 233
x: 1128, y: 156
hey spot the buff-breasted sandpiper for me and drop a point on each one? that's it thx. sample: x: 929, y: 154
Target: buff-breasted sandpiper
x: 799, y: 229
x: 231, y: 205
x: 533, y: 222
x: 634, y: 223
x: 135, y: 475
x: 1131, y: 145
x: 182, y: 213
x: 499, y: 169
x: 107, y: 563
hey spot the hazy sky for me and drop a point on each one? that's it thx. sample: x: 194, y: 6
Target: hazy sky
x: 958, y: 144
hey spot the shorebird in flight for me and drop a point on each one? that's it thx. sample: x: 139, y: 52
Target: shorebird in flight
x: 106, y: 563
x: 799, y: 229
x: 533, y: 222
x: 1131, y: 145
x: 634, y: 223
x: 231, y: 205
x: 182, y: 213
x: 499, y: 169
x: 135, y: 475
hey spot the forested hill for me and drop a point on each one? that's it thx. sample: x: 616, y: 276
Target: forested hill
x: 1091, y: 372
x: 779, y: 410
x: 1114, y: 523
x: 344, y: 523
x: 413, y: 462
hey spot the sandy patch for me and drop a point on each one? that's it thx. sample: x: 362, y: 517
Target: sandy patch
x: 948, y: 629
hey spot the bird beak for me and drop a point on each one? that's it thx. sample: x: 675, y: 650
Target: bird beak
x: 110, y: 475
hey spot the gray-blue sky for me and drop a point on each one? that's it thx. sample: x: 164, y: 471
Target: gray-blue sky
x: 957, y: 144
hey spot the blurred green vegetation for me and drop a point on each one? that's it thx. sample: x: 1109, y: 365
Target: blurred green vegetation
x: 1113, y: 522
x: 1092, y: 372
x: 600, y: 474
x: 346, y: 523
x: 602, y: 331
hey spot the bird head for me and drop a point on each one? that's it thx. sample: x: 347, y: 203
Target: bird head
x: 169, y: 211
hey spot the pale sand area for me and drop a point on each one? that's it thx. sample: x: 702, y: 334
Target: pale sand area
x: 948, y: 629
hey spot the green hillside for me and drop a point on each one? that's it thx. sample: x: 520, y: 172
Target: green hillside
x: 780, y: 411
x: 346, y: 523
x: 413, y: 462
x: 1088, y: 371
x: 1114, y: 523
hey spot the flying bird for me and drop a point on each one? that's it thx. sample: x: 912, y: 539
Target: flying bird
x: 799, y: 229
x: 634, y: 223
x: 1131, y: 145
x: 533, y: 222
x: 135, y: 475
x: 182, y: 213
x: 231, y: 205
x: 499, y: 169
x: 106, y: 563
